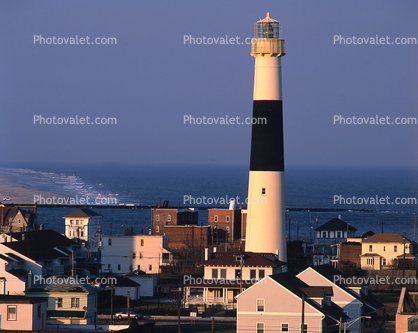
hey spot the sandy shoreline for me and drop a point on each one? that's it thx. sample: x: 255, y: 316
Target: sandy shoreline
x: 19, y: 193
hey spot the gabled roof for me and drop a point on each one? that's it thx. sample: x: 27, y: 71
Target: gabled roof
x: 39, y: 245
x: 336, y: 224
x: 385, y: 238
x: 300, y: 288
x: 370, y: 302
x: 83, y: 212
x: 122, y: 281
x: 251, y: 259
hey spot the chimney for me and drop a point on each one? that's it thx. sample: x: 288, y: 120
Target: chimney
x: 214, y: 249
x: 277, y: 254
x: 206, y: 254
x: 30, y: 279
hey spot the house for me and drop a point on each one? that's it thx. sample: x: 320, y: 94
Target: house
x: 328, y: 236
x: 22, y: 313
x: 71, y: 300
x: 84, y: 224
x: 124, y: 254
x: 276, y: 304
x: 148, y: 285
x: 38, y: 253
x: 225, y: 224
x: 15, y: 218
x: 334, y: 231
x: 165, y: 216
x: 356, y: 301
x: 124, y: 285
x: 383, y: 250
x: 227, y: 274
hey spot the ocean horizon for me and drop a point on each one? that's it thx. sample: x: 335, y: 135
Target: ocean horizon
x: 368, y: 198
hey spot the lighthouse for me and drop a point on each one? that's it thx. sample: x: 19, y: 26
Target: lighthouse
x: 266, y: 225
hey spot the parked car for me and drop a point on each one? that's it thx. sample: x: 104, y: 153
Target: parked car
x: 124, y: 314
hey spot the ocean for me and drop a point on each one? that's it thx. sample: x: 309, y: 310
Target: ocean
x: 386, y: 197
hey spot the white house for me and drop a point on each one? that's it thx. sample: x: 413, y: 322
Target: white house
x: 384, y: 249
x: 228, y: 273
x: 21, y: 313
x: 275, y: 304
x: 84, y: 224
x: 124, y: 254
x: 124, y: 285
x: 354, y: 304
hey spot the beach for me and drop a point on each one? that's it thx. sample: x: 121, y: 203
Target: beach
x: 19, y: 193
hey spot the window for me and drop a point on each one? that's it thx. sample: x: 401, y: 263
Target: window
x: 260, y: 305
x: 157, y: 217
x: 395, y: 248
x: 324, y: 234
x: 133, y: 255
x: 285, y: 327
x: 82, y: 233
x: 59, y: 302
x: 260, y: 327
x: 305, y: 328
x: 338, y: 234
x: 370, y: 261
x: 384, y: 248
x: 261, y: 273
x: 253, y: 274
x: 190, y: 217
x: 227, y: 230
x: 143, y: 241
x: 383, y: 261
x: 11, y: 312
x: 20, y: 221
x: 370, y: 248
x: 263, y: 191
x: 237, y: 273
x: 39, y: 311
x: 157, y: 228
x: 214, y: 273
x: 166, y: 258
x: 138, y: 267
x: 150, y: 267
x: 118, y: 267
x: 216, y: 218
x: 227, y: 219
x: 168, y: 217
x: 75, y: 303
x: 109, y: 241
x: 141, y: 255
x: 108, y: 266
x: 223, y: 273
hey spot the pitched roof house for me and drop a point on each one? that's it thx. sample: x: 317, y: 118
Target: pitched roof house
x: 276, y: 302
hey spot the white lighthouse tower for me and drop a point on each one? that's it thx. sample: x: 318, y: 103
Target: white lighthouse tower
x: 266, y: 225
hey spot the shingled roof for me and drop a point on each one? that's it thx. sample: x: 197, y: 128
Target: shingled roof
x: 250, y: 259
x: 385, y: 238
x: 82, y: 213
x: 336, y: 224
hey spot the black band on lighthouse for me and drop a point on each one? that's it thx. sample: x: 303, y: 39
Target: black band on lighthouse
x: 267, y: 149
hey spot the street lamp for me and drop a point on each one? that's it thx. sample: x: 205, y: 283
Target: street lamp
x: 353, y: 321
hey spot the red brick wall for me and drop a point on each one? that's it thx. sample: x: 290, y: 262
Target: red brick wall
x: 350, y: 252
x: 191, y: 238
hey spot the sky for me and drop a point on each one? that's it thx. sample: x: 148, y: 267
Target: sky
x: 151, y: 79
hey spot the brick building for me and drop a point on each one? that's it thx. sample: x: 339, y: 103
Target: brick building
x: 164, y: 216
x: 226, y: 224
x: 190, y: 237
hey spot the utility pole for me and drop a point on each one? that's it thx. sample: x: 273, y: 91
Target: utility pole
x: 240, y: 275
x: 302, y: 325
x: 415, y: 223
x: 72, y: 263
x: 129, y: 310
x: 124, y: 228
x: 111, y: 304
x: 403, y: 264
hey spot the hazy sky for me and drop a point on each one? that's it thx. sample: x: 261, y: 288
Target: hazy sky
x: 150, y: 79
